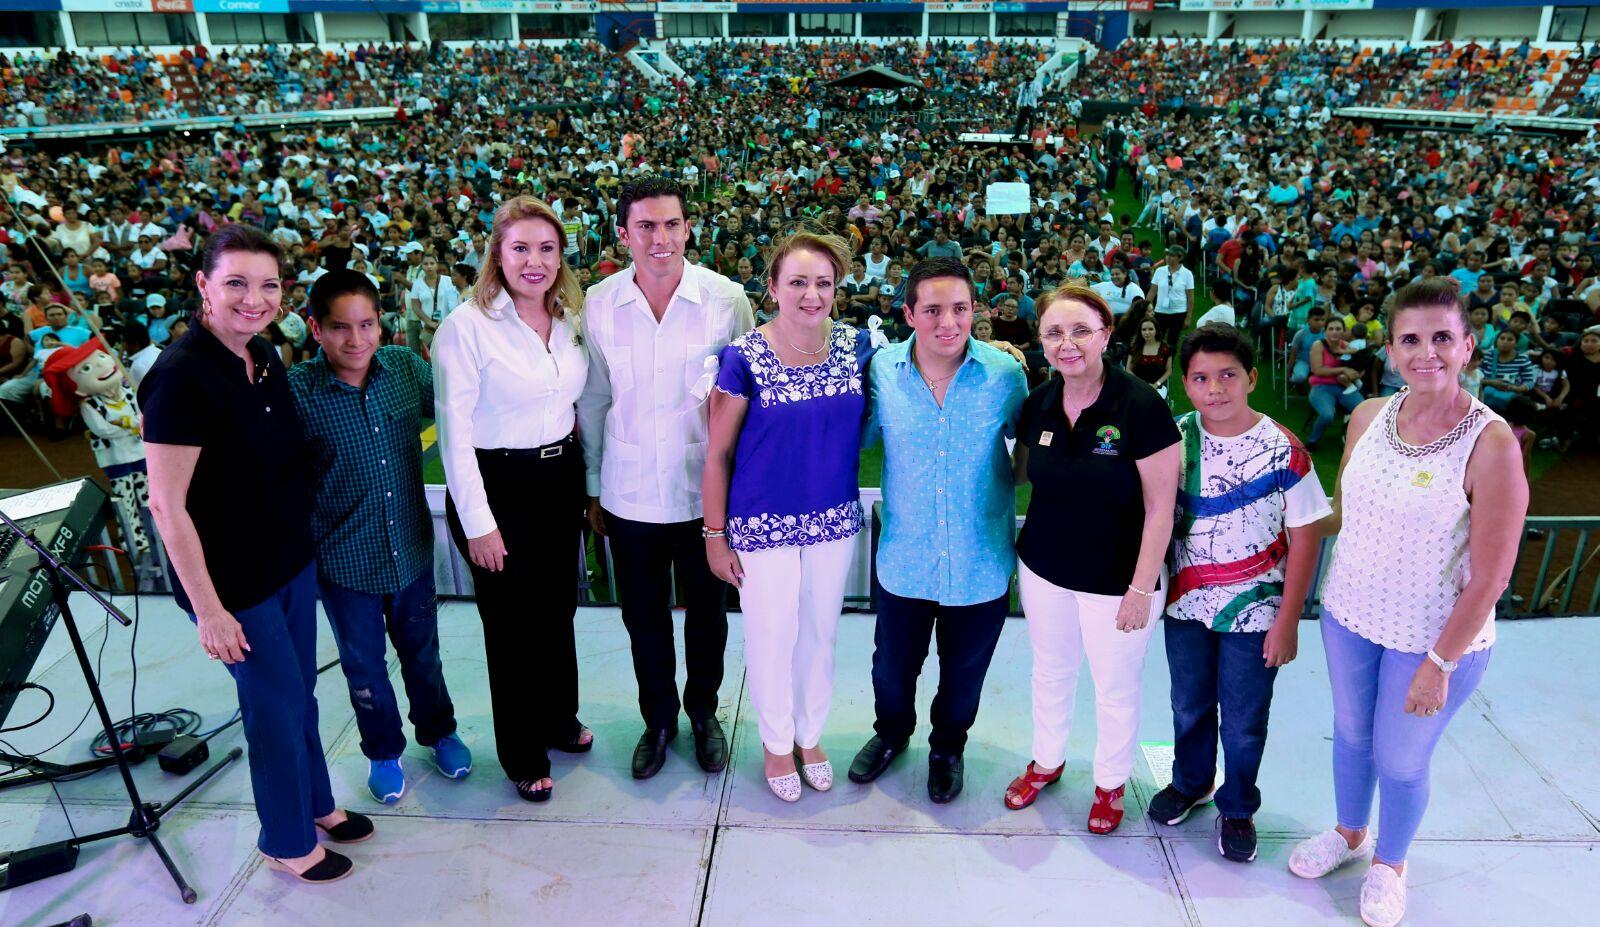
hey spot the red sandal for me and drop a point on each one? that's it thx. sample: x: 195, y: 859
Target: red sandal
x: 1024, y: 789
x: 1107, y: 808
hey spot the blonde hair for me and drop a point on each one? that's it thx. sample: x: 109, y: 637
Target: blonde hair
x: 564, y: 295
x: 804, y: 238
x: 1076, y: 293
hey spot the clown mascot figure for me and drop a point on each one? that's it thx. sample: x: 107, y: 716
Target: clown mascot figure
x: 86, y: 379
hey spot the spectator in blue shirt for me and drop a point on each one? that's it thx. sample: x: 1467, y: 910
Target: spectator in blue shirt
x: 372, y: 527
x: 1470, y: 272
x: 942, y: 404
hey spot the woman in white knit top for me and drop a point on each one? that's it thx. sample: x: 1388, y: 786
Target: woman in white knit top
x: 1431, y: 497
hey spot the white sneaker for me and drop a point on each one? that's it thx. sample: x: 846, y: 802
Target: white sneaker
x: 1383, y: 896
x: 1315, y: 857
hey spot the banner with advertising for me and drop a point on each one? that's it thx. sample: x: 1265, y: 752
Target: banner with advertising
x: 1233, y: 6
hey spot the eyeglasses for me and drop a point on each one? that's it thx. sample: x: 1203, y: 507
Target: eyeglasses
x: 1078, y: 336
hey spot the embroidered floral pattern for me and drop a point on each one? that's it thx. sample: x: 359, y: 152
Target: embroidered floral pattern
x: 836, y: 374
x: 765, y: 532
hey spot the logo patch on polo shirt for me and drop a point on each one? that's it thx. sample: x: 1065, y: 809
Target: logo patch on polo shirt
x: 1109, y: 435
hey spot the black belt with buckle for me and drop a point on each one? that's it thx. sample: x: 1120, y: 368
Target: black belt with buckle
x: 539, y: 453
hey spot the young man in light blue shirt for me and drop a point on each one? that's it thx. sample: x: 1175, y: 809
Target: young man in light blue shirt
x: 942, y: 404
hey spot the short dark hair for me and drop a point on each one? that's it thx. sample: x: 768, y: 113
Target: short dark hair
x: 236, y: 237
x: 1439, y: 292
x: 648, y: 189
x: 337, y: 283
x: 933, y: 268
x: 135, y: 337
x: 1217, y: 338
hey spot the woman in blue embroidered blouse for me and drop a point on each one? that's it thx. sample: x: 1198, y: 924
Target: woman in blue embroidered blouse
x: 782, y: 502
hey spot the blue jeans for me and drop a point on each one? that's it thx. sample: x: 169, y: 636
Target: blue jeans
x: 1327, y: 399
x: 1211, y: 670
x: 1375, y: 743
x: 967, y: 637
x: 412, y: 619
x: 277, y: 697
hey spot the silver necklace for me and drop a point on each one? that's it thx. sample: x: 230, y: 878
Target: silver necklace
x: 803, y: 350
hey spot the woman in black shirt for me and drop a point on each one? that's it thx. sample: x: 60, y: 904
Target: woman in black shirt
x: 230, y: 494
x: 1102, y: 452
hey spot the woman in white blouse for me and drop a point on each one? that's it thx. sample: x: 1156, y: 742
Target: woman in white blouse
x: 431, y: 298
x: 1429, y: 511
x: 509, y: 367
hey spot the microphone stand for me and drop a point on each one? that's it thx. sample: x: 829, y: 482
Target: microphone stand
x: 23, y: 866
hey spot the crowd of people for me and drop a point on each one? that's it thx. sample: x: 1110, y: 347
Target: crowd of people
x: 623, y: 316
x: 1270, y: 223
x: 134, y: 85
x: 1303, y: 79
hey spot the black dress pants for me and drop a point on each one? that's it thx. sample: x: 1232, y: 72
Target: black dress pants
x: 527, y: 607
x: 644, y: 555
x: 967, y: 637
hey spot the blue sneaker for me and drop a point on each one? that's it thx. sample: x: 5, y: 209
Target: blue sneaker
x: 452, y: 757
x: 386, y: 780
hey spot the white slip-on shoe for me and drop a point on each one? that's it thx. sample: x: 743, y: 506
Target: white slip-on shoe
x: 1383, y: 896
x: 817, y: 775
x: 1315, y: 857
x: 785, y: 787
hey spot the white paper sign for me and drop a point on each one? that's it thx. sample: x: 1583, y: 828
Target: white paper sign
x: 1001, y: 199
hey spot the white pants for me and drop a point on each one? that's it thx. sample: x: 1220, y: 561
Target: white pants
x: 1063, y: 626
x: 791, y: 597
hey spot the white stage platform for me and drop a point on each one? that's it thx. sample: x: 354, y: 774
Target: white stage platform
x: 1512, y: 837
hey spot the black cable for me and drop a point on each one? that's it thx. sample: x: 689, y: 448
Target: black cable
x: 42, y: 715
x: 99, y: 664
x: 64, y: 812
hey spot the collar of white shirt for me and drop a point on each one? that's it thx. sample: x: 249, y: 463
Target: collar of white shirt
x: 688, y: 287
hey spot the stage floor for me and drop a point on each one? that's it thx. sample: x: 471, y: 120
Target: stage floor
x: 1512, y: 835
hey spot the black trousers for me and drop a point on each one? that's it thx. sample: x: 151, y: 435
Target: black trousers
x: 527, y: 607
x: 644, y: 555
x: 1024, y: 123
x: 1169, y: 327
x: 967, y: 637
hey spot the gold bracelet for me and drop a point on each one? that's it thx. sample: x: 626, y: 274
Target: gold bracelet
x: 1133, y: 588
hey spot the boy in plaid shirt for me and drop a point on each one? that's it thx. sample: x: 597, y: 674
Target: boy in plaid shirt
x: 362, y: 407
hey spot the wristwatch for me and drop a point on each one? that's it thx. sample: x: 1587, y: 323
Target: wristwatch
x: 1445, y: 666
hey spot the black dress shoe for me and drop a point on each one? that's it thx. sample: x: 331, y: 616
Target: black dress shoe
x: 710, y: 744
x: 875, y: 757
x: 946, y: 775
x: 651, y: 753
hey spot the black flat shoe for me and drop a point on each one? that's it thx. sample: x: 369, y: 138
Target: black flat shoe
x: 353, y: 829
x: 577, y: 744
x: 874, y: 758
x: 651, y: 753
x: 710, y: 744
x: 526, y: 789
x: 331, y: 868
x: 946, y: 775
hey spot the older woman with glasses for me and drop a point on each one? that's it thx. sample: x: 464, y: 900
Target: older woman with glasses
x: 1101, y: 449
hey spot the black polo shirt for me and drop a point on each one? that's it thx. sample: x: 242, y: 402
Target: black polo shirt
x: 1086, y: 516
x: 250, y: 496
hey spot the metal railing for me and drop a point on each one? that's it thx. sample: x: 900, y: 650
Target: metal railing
x: 1556, y: 574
